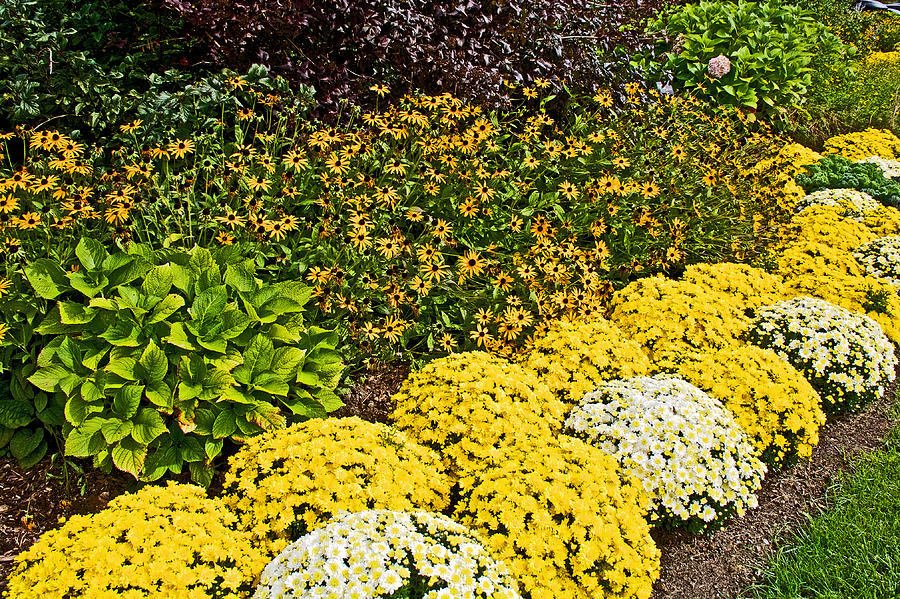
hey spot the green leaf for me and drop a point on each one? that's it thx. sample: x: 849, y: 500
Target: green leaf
x: 90, y: 253
x: 208, y: 305
x: 82, y: 441
x: 234, y: 323
x: 213, y: 447
x: 52, y: 324
x: 213, y: 343
x: 49, y: 377
x: 310, y: 379
x: 182, y: 277
x: 201, y: 260
x: 90, y: 393
x: 127, y: 400
x: 258, y: 355
x: 123, y: 366
x: 158, y: 281
x: 122, y: 333
x: 178, y: 336
x: 224, y: 426
x: 286, y: 361
x: 154, y: 363
x: 77, y: 410
x: 242, y: 276
x: 15, y: 413
x: 270, y: 383
x: 129, y: 457
x: 201, y: 473
x: 47, y: 278
x: 115, y: 430
x: 148, y: 425
x: 168, y: 306
x: 192, y: 450
x: 75, y: 313
x: 330, y: 401
x: 28, y: 447
x: 160, y: 394
x: 88, y: 285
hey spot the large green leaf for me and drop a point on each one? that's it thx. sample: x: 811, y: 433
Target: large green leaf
x: 208, y: 305
x: 49, y: 377
x: 286, y: 361
x: 47, y: 278
x: 90, y: 253
x: 75, y: 313
x: 148, y: 425
x: 271, y: 383
x: 234, y: 322
x: 115, y: 430
x: 154, y: 363
x: 28, y: 446
x: 224, y: 426
x: 158, y: 281
x: 123, y: 366
x: 15, y: 413
x: 178, y: 336
x: 168, y: 306
x: 85, y: 440
x: 122, y: 333
x: 242, y: 276
x: 129, y: 457
x: 160, y: 394
x: 258, y: 355
x: 89, y: 285
x: 127, y: 400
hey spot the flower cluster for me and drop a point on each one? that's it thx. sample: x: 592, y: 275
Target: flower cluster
x: 718, y: 66
x: 467, y: 406
x: 798, y: 156
x: 772, y: 402
x: 740, y: 285
x: 673, y: 318
x: 566, y: 522
x: 830, y: 226
x: 694, y: 461
x: 845, y: 356
x: 890, y: 167
x: 855, y: 203
x: 159, y: 542
x: 881, y: 258
x: 576, y: 355
x: 288, y: 482
x: 378, y: 553
x: 863, y: 144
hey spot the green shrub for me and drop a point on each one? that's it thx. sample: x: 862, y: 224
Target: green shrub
x: 770, y: 47
x: 161, y: 356
x: 836, y: 172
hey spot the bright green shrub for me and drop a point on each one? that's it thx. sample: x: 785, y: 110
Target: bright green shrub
x: 169, y: 542
x: 160, y: 364
x: 836, y: 172
x: 576, y: 355
x: 671, y: 319
x: 565, y: 521
x: 769, y: 45
x: 284, y: 483
x: 695, y: 463
x: 772, y: 402
x: 740, y: 285
x: 845, y: 356
x: 466, y: 406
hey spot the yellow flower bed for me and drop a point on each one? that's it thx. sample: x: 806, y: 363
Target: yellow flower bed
x: 576, y: 355
x: 288, y: 482
x: 467, y: 406
x: 740, y: 285
x: 566, y: 522
x: 774, y: 404
x: 170, y: 542
x: 673, y: 318
x: 860, y: 145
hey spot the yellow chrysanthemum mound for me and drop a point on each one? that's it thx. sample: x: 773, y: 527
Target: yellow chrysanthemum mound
x: 673, y: 318
x: 466, y: 406
x: 797, y: 156
x: 828, y: 225
x: 774, y: 404
x: 577, y: 355
x: 285, y: 483
x: 817, y: 270
x: 171, y: 542
x: 861, y: 145
x: 566, y: 521
x: 741, y: 285
x: 884, y: 222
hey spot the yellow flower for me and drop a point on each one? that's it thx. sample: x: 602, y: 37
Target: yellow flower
x: 180, y: 147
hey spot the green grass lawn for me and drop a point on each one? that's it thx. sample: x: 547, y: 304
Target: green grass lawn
x: 852, y: 551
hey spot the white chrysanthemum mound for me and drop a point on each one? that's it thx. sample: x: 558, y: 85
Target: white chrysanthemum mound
x: 881, y: 258
x: 844, y: 355
x: 377, y: 553
x: 695, y: 462
x: 890, y: 168
x: 856, y: 203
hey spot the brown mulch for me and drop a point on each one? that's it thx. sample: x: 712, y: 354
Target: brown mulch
x: 32, y: 501
x: 370, y: 396
x: 724, y: 564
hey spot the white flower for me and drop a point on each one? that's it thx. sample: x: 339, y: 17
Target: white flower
x: 683, y: 445
x: 356, y: 555
x: 881, y: 258
x: 890, y: 168
x: 856, y: 203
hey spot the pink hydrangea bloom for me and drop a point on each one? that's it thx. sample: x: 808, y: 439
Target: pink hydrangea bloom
x: 719, y: 66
